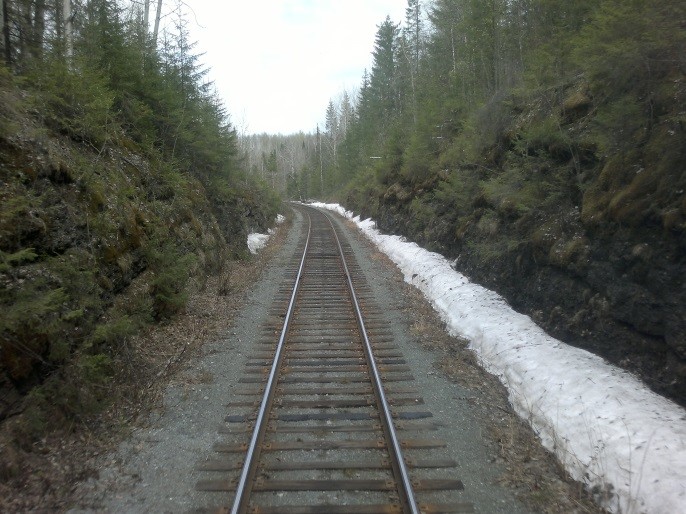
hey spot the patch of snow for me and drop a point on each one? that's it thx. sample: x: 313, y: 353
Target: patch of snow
x: 257, y: 241
x: 606, y: 427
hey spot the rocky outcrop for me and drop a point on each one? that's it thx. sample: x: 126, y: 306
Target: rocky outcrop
x: 95, y: 244
x: 582, y: 229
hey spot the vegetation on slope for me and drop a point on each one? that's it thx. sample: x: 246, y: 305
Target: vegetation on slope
x: 542, y: 144
x: 121, y: 191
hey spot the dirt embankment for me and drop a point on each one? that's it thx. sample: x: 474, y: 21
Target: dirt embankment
x: 96, y: 246
x: 44, y: 476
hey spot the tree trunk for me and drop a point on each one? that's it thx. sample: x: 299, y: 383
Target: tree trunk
x: 68, y: 29
x: 39, y: 28
x: 2, y: 16
x: 3, y: 25
x: 146, y: 15
x: 24, y: 25
x: 6, y: 33
x: 321, y: 164
x: 157, y: 23
x: 59, y: 20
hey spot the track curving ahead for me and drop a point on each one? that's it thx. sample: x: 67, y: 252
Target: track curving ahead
x: 324, y: 430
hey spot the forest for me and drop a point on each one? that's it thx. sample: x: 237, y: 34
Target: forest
x: 122, y: 191
x: 538, y: 143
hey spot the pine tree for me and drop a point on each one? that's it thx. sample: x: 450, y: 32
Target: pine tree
x: 383, y: 83
x: 413, y: 33
x: 347, y: 113
x: 412, y: 49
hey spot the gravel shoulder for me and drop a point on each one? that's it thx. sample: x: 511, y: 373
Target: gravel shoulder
x: 502, y: 463
x: 503, y: 467
x: 154, y: 469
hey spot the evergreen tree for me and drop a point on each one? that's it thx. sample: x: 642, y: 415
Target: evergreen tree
x: 413, y: 34
x: 384, y: 88
x: 347, y: 113
x: 412, y: 49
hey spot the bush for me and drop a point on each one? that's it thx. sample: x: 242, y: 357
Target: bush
x: 8, y: 260
x: 29, y: 326
x: 544, y: 138
x: 74, y: 101
x: 514, y: 191
x: 107, y: 336
x: 619, y: 123
x: 171, y: 269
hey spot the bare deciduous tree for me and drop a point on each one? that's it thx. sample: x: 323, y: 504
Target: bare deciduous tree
x: 157, y: 23
x: 68, y: 29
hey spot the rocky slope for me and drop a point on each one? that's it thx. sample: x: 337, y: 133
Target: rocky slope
x: 574, y: 209
x: 95, y: 244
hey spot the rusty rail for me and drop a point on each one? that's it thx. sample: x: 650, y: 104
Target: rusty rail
x: 324, y: 434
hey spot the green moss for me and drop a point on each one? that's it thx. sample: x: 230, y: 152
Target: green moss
x: 488, y: 251
x: 96, y: 200
x: 614, y: 176
x: 641, y: 186
x: 620, y: 124
x: 489, y: 224
x: 514, y: 192
x: 567, y: 252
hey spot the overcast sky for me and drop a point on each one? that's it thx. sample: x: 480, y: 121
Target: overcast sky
x: 276, y: 63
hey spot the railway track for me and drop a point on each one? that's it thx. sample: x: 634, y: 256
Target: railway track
x: 328, y: 420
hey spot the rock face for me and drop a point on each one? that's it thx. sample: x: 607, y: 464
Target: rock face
x: 590, y: 241
x: 616, y: 304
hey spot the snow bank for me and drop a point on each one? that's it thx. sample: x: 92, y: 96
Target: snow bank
x: 258, y: 241
x: 626, y: 443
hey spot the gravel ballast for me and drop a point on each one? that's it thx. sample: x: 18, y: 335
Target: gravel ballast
x: 501, y: 465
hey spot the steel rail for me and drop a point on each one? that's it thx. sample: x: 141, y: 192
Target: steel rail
x: 243, y: 487
x: 387, y: 419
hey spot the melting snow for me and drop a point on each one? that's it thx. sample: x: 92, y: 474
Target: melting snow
x: 605, y: 426
x: 258, y: 241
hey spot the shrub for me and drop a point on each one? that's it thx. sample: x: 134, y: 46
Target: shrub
x: 515, y: 190
x: 74, y: 101
x: 107, y: 336
x: 8, y: 260
x: 171, y: 269
x: 29, y: 325
x: 618, y: 124
x: 545, y: 138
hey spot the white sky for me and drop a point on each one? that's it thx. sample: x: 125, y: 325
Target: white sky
x: 276, y: 63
